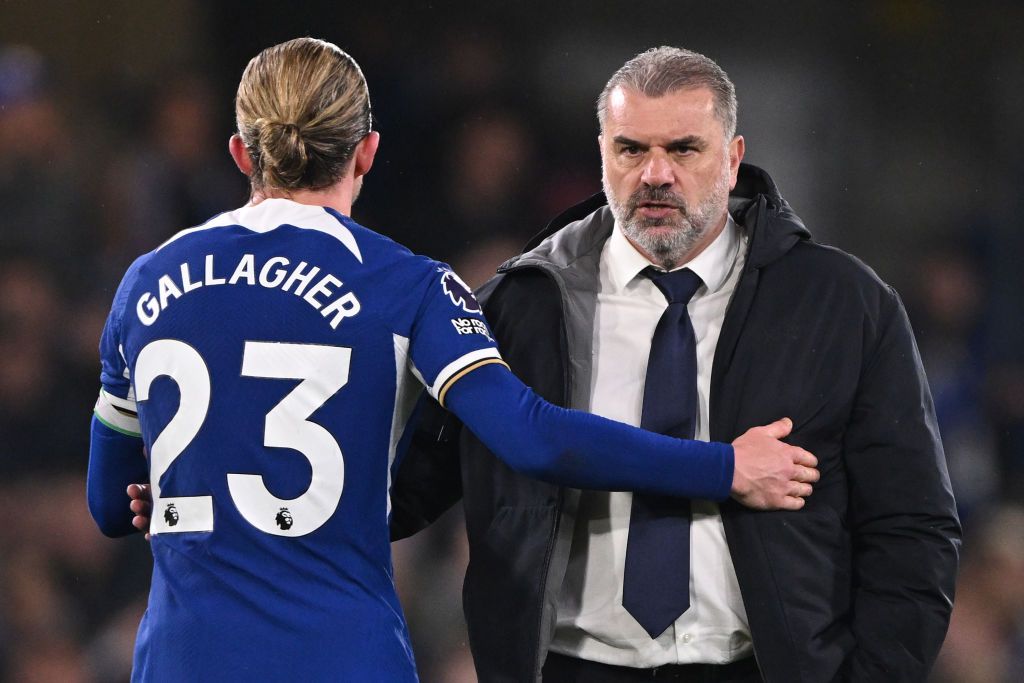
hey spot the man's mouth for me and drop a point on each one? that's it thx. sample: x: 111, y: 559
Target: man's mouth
x: 649, y: 209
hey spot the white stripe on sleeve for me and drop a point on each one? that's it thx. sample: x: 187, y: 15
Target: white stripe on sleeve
x: 118, y: 414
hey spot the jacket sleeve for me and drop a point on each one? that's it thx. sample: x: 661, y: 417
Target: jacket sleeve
x: 906, y: 535
x: 428, y: 480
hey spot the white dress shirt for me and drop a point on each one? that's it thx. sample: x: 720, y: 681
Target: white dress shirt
x: 591, y: 623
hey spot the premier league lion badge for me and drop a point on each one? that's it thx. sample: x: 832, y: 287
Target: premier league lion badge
x: 457, y: 290
x: 171, y: 515
x: 284, y: 519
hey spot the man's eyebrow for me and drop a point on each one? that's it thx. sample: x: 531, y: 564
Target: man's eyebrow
x: 686, y: 142
x: 626, y: 142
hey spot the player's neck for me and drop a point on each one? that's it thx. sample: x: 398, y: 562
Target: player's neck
x: 338, y: 196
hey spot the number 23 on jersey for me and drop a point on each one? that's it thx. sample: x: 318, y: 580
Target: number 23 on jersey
x: 323, y: 371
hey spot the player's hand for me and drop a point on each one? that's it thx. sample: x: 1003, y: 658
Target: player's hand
x: 770, y: 474
x: 141, y: 505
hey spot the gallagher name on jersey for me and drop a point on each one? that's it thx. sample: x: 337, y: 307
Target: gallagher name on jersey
x: 276, y: 272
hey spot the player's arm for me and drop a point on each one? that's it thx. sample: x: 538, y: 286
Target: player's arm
x: 581, y: 450
x: 116, y: 459
x: 116, y: 456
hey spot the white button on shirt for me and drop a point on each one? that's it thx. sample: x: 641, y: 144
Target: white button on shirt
x: 592, y: 623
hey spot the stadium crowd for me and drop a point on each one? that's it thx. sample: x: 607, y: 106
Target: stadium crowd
x: 483, y: 140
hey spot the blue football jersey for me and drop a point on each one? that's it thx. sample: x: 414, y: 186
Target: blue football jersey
x: 272, y: 357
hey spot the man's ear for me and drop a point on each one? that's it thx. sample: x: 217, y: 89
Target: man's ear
x: 736, y: 149
x: 366, y: 150
x: 240, y: 154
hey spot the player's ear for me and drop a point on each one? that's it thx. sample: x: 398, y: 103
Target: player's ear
x: 240, y: 154
x: 366, y: 150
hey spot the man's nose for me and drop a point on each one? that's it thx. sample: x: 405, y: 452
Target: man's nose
x: 657, y: 170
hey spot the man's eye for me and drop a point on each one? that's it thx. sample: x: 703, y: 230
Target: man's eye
x: 631, y: 151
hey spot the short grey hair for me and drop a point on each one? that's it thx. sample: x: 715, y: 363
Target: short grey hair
x: 661, y: 70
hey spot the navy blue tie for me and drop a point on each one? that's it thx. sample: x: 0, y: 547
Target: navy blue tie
x: 656, y: 586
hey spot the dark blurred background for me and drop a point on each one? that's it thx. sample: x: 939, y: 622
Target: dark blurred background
x: 892, y: 126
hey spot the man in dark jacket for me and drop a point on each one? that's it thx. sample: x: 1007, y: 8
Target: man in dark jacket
x: 856, y: 586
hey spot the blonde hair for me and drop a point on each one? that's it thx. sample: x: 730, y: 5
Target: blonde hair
x: 301, y: 109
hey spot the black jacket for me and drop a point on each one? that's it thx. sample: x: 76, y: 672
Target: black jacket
x: 856, y: 586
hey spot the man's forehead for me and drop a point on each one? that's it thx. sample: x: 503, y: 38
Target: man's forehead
x: 684, y: 111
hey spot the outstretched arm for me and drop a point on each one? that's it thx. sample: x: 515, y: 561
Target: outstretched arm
x: 577, y: 449
x: 586, y: 451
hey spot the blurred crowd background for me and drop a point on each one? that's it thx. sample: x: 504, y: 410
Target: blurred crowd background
x: 894, y: 128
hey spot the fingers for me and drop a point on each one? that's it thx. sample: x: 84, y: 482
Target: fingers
x: 770, y: 474
x: 799, y: 490
x: 141, y: 505
x: 139, y: 492
x: 142, y: 524
x: 807, y: 475
x: 802, y: 457
x: 801, y: 480
x: 779, y: 428
x: 792, y: 503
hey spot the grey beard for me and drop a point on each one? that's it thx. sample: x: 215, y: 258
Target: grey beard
x: 668, y: 250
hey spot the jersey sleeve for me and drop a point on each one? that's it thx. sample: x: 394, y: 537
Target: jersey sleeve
x: 577, y: 449
x: 449, y: 336
x: 115, y: 407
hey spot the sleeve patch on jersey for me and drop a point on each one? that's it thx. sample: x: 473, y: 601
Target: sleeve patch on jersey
x: 472, y: 326
x: 458, y: 291
x: 446, y: 376
x: 462, y: 373
x: 118, y: 414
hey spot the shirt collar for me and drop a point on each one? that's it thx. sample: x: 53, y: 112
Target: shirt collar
x: 713, y: 265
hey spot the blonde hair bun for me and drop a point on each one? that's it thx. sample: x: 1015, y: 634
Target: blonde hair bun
x: 301, y: 109
x: 283, y: 153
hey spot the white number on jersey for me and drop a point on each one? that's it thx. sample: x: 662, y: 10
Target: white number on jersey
x: 323, y: 369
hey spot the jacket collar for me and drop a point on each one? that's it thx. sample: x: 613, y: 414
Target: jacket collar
x: 567, y: 243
